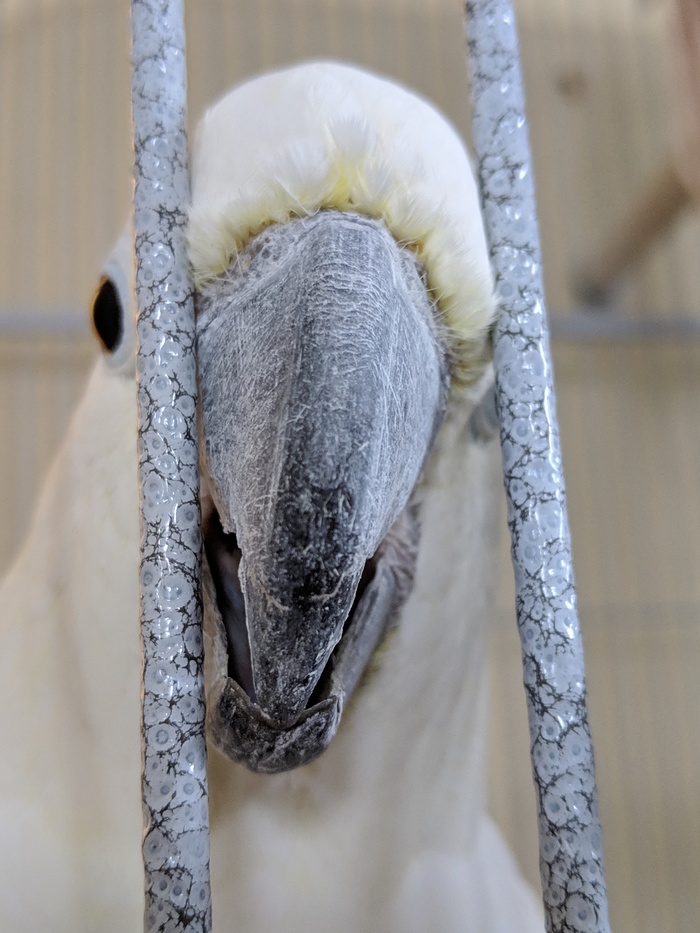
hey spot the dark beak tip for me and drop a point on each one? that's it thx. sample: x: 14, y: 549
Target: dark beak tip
x: 246, y: 736
x: 289, y: 653
x: 284, y: 702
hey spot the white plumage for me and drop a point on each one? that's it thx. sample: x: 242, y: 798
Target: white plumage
x: 386, y: 831
x: 326, y: 135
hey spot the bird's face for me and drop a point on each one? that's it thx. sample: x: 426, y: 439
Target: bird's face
x: 324, y: 365
x: 323, y: 379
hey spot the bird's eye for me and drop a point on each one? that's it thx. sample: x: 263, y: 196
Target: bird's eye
x: 112, y: 309
x: 108, y: 316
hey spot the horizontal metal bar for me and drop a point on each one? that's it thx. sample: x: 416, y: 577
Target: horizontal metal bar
x: 591, y: 325
x: 29, y: 322
x: 583, y: 324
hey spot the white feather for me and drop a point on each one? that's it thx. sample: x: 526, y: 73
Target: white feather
x: 387, y: 831
x: 325, y: 135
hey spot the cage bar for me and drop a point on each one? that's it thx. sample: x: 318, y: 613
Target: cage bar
x: 174, y: 787
x: 571, y: 857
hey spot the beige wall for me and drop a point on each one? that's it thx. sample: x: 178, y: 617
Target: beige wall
x: 596, y: 87
x: 597, y: 95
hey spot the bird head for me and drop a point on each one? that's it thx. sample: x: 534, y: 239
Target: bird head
x: 343, y: 296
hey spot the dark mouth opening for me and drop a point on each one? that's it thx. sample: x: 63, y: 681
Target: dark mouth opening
x: 224, y: 557
x: 321, y: 688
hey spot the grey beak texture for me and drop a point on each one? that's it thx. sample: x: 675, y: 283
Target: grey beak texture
x: 323, y: 382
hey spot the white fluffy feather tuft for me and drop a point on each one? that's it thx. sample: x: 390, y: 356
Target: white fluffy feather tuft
x: 333, y: 136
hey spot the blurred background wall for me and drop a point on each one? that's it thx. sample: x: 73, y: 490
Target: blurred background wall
x: 599, y: 97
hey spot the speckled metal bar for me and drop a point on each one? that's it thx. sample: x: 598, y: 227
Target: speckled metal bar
x: 176, y: 825
x: 571, y: 859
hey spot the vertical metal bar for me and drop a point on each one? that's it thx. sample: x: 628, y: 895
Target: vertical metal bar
x: 176, y: 825
x: 571, y: 859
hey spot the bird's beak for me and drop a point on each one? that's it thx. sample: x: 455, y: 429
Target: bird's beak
x: 322, y: 384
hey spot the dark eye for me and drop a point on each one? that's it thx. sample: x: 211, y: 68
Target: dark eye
x: 108, y: 316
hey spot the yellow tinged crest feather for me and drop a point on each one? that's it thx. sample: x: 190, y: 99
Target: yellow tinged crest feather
x: 325, y: 135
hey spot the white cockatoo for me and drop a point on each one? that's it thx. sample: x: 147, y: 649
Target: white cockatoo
x: 343, y: 299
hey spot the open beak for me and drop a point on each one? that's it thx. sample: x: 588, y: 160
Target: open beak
x: 322, y: 384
